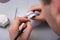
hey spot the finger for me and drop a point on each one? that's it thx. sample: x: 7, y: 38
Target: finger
x: 17, y: 22
x: 29, y: 28
x: 27, y: 31
x: 23, y: 19
x: 37, y: 7
x: 24, y: 16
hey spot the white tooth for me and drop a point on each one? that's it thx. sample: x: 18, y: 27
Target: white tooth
x: 3, y: 20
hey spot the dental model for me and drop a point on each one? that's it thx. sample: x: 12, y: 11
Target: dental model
x: 32, y: 14
x: 3, y: 21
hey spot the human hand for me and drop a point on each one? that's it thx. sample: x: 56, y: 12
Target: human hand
x: 14, y: 29
x: 38, y: 8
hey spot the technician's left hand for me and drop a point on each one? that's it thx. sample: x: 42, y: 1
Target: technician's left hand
x: 14, y: 28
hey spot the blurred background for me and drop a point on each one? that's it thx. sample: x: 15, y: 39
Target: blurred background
x: 41, y: 30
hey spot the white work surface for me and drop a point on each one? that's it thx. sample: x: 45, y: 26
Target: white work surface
x: 40, y: 31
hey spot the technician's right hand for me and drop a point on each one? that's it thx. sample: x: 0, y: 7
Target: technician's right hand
x: 14, y: 29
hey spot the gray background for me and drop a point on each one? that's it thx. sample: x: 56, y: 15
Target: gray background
x: 41, y: 31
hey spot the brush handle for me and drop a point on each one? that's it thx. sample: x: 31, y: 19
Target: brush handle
x: 19, y: 33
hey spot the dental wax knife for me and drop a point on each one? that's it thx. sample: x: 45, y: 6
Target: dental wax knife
x: 29, y: 15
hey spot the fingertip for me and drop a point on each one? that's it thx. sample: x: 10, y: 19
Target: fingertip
x: 24, y: 16
x: 28, y: 30
x: 36, y: 7
x: 29, y: 25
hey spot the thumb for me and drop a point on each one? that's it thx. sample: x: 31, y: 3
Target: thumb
x: 29, y: 28
x: 27, y: 31
x: 36, y: 7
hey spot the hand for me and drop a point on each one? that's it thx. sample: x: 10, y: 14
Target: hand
x: 14, y: 29
x: 40, y: 17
